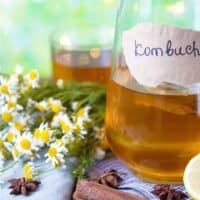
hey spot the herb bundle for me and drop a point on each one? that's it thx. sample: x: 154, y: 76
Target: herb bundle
x: 50, y: 122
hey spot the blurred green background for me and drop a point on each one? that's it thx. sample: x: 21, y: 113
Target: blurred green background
x: 25, y: 26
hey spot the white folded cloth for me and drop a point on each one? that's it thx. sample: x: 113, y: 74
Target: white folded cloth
x: 55, y: 185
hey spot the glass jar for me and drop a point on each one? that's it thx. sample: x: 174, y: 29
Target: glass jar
x: 82, y: 54
x: 153, y: 115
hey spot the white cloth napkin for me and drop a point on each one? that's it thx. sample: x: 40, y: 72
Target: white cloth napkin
x: 55, y: 185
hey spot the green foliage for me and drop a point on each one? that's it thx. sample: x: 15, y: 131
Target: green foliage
x: 85, y: 94
x: 25, y: 27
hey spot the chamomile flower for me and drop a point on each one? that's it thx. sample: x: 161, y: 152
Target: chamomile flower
x: 79, y: 130
x: 19, y: 124
x: 4, y: 87
x: 7, y: 114
x: 29, y: 170
x: 25, y: 144
x: 42, y: 106
x: 13, y: 104
x: 32, y: 79
x: 11, y: 135
x: 60, y: 83
x: 66, y: 125
x: 8, y: 87
x: 37, y: 139
x: 20, y: 121
x: 55, y: 105
x: 83, y: 114
x: 33, y: 127
x: 55, y: 154
x: 43, y: 134
x: 55, y: 123
x: 62, y: 120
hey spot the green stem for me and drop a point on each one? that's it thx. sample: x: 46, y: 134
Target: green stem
x: 41, y: 165
x: 43, y: 173
x: 9, y: 167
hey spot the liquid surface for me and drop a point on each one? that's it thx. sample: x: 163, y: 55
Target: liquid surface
x: 74, y: 71
x: 155, y: 134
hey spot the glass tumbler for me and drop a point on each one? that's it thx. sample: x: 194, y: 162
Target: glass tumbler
x: 153, y: 112
x: 82, y: 54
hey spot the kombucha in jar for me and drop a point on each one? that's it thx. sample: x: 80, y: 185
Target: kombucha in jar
x: 153, y: 111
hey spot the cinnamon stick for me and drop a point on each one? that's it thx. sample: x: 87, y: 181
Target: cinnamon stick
x: 89, y: 190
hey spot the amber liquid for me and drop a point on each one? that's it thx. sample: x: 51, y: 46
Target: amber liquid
x: 155, y: 134
x: 63, y: 70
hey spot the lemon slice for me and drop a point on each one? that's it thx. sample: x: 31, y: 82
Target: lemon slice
x: 191, y: 177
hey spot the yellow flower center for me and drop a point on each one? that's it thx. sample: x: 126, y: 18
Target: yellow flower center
x: 36, y: 133
x: 44, y: 135
x: 7, y: 117
x: 40, y: 107
x: 4, y: 89
x: 33, y: 75
x: 56, y: 108
x: 11, y: 104
x: 25, y: 144
x: 10, y: 137
x: 19, y: 126
x: 65, y: 127
x: 81, y: 112
x: 52, y: 152
x: 1, y: 143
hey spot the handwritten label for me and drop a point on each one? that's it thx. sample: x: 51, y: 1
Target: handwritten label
x: 162, y: 53
x: 189, y: 49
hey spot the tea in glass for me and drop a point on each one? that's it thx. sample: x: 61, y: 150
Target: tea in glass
x: 93, y: 65
x: 82, y: 53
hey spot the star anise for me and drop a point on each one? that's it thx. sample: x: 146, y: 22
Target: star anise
x: 23, y: 186
x: 110, y: 178
x: 165, y: 192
